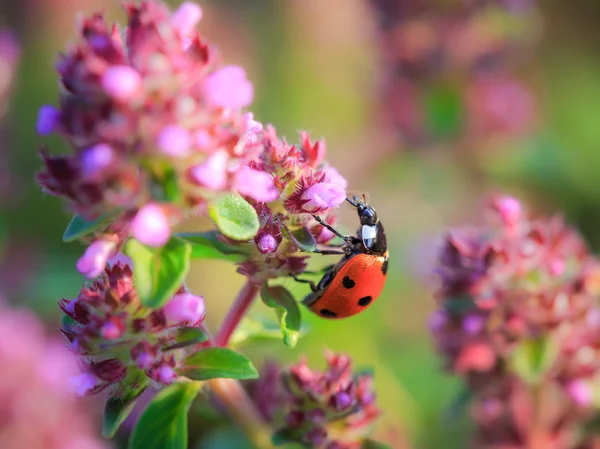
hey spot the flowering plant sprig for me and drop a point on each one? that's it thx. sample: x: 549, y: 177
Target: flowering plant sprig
x: 158, y: 131
x: 518, y: 320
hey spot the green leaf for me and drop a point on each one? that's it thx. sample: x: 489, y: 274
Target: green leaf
x: 283, y: 436
x: 212, y: 363
x: 302, y: 237
x: 235, y: 217
x: 117, y: 410
x: 79, y: 227
x: 532, y: 359
x: 283, y: 302
x: 159, y: 272
x: 444, y: 110
x: 163, y: 425
x: 254, y: 332
x: 187, y: 336
x: 372, y: 444
x: 206, y: 245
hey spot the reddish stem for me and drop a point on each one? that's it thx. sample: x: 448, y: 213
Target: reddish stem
x: 237, y: 311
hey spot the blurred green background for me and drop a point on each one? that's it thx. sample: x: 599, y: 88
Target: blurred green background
x: 316, y: 65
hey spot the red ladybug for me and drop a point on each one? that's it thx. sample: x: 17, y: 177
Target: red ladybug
x: 355, y: 282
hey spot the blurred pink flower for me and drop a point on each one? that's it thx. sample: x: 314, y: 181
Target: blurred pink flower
x: 184, y: 308
x: 93, y: 261
x: 151, y: 226
x: 228, y: 88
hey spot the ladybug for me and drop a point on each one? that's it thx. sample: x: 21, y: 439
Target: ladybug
x: 355, y: 282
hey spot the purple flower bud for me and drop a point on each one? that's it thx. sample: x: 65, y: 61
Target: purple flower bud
x: 95, y: 160
x: 121, y: 82
x: 315, y: 416
x: 120, y: 258
x: 166, y: 375
x: 94, y: 259
x: 212, y: 173
x: 323, y: 195
x: 473, y: 324
x: 111, y: 330
x: 150, y: 226
x: 510, y: 210
x: 228, y: 88
x: 83, y: 383
x: 174, y: 141
x: 184, y: 308
x: 341, y: 401
x: 266, y: 243
x: 255, y: 184
x: 48, y: 118
x: 185, y: 18
x: 580, y: 392
x: 144, y: 360
x: 316, y: 436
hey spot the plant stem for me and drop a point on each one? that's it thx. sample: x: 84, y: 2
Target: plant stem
x: 236, y: 312
x: 241, y: 409
x: 229, y: 392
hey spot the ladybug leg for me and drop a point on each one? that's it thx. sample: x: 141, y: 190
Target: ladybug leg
x: 328, y: 252
x: 346, y: 238
x: 313, y: 286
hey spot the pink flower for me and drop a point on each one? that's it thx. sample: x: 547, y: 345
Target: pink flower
x: 581, y: 392
x: 212, y: 173
x: 95, y: 160
x: 323, y: 195
x: 255, y: 184
x: 84, y: 383
x: 94, y: 259
x: 150, y: 226
x: 186, y: 18
x: 184, y: 308
x: 266, y: 243
x: 174, y: 141
x: 120, y: 258
x: 121, y: 82
x: 509, y: 209
x: 166, y: 375
x: 334, y: 177
x: 228, y: 88
x: 47, y: 121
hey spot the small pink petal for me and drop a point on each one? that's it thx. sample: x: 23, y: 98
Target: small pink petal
x: 120, y: 258
x: 334, y: 177
x: 212, y: 173
x: 174, y: 141
x: 95, y: 257
x: 150, y: 226
x: 186, y: 17
x: 323, y: 195
x: 228, y: 88
x: 83, y: 383
x: 184, y: 308
x: 121, y: 82
x: 166, y: 375
x: 580, y: 392
x: 202, y: 139
x: 255, y: 184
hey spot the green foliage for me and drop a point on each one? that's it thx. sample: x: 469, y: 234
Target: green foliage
x: 283, y: 302
x: 532, y: 359
x: 159, y: 272
x: 302, y: 238
x: 235, y: 217
x: 206, y: 245
x: 79, y: 227
x: 372, y: 444
x: 163, y: 425
x: 253, y: 332
x: 213, y: 363
x: 116, y: 411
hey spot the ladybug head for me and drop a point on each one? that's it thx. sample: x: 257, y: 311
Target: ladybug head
x: 366, y: 214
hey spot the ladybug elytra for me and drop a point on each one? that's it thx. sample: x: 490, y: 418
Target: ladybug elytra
x: 355, y: 282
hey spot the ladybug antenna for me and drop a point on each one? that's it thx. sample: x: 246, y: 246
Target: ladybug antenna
x: 354, y: 203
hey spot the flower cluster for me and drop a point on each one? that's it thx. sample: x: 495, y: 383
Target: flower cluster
x: 158, y: 131
x: 519, y: 320
x: 334, y: 409
x: 122, y: 343
x: 37, y: 408
x: 455, y: 62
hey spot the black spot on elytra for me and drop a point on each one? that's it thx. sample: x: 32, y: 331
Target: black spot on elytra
x: 365, y: 301
x: 328, y: 313
x: 384, y: 266
x: 348, y: 282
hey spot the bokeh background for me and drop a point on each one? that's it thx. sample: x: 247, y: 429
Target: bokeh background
x: 330, y: 68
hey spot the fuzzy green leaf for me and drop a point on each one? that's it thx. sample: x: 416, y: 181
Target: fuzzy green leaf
x: 235, y: 217
x: 283, y: 302
x: 206, y: 245
x: 302, y: 237
x: 159, y: 272
x: 212, y: 363
x: 116, y: 410
x: 163, y: 425
x: 532, y: 359
x: 79, y: 227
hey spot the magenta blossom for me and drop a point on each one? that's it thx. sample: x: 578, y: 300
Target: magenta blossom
x: 184, y: 308
x: 228, y: 88
x: 93, y: 261
x: 151, y: 226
